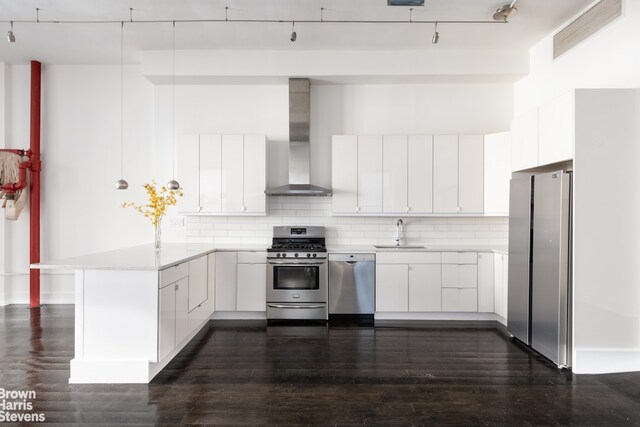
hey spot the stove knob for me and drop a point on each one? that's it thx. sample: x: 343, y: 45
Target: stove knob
x: 278, y: 255
x: 315, y: 255
x: 284, y: 255
x: 308, y: 255
x: 296, y: 255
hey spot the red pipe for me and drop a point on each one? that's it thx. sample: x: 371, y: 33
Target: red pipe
x: 34, y: 195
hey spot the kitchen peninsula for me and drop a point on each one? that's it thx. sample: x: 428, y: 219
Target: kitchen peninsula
x: 136, y: 308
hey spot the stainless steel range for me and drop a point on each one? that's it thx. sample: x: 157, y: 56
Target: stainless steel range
x: 297, y: 274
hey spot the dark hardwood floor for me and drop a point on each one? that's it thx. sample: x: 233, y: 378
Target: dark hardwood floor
x: 316, y: 375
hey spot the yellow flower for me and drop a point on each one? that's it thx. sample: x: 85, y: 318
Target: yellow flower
x: 159, y: 201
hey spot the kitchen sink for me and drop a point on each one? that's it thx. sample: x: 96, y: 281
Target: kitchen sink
x: 398, y: 247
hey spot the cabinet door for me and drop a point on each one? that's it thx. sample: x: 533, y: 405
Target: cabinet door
x: 459, y: 275
x: 392, y: 287
x: 394, y: 174
x: 445, y: 174
x: 459, y: 299
x: 497, y: 173
x: 226, y: 263
x: 556, y: 130
x: 370, y: 174
x: 344, y: 173
x: 499, y: 279
x: 524, y: 141
x: 232, y: 173
x: 182, y: 310
x: 255, y: 173
x: 186, y: 171
x: 505, y: 285
x: 197, y: 282
x: 425, y: 287
x: 485, y: 283
x: 252, y: 287
x: 210, y: 173
x: 167, y: 321
x: 420, y: 172
x: 471, y: 174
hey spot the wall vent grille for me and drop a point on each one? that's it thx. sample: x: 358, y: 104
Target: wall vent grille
x: 587, y: 24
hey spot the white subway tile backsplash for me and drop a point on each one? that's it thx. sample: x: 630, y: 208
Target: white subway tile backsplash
x: 345, y: 230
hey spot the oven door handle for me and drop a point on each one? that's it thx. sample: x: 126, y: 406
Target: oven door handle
x: 295, y: 306
x: 296, y: 263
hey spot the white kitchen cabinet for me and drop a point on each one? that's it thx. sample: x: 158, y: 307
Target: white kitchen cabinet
x: 167, y: 321
x: 198, y: 284
x: 186, y: 171
x: 182, y: 309
x: 392, y: 288
x: 344, y: 175
x: 420, y: 174
x: 445, y: 174
x: 252, y: 287
x: 369, y: 174
x: 232, y: 173
x: 459, y: 275
x: 226, y: 279
x: 425, y: 287
x: 471, y: 174
x: 394, y: 174
x: 459, y: 299
x: 501, y: 263
x: 524, y: 141
x: 210, y: 183
x: 556, y: 130
x: 255, y: 174
x: 486, y: 282
x: 497, y: 173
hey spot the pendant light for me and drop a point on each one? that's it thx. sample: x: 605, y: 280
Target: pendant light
x: 173, y: 184
x: 121, y: 184
x: 294, y: 35
x: 11, y: 38
x: 436, y: 35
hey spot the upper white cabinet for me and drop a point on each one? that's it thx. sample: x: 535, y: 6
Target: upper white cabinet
x: 445, y: 174
x: 369, y: 174
x: 556, y: 130
x: 222, y: 174
x: 524, y: 143
x: 394, y: 174
x: 420, y: 174
x: 497, y: 173
x: 471, y: 174
x: 344, y: 174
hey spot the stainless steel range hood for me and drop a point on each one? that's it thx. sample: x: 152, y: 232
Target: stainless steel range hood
x: 299, y: 145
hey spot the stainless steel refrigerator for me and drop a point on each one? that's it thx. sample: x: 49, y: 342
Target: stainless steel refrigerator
x: 539, y: 264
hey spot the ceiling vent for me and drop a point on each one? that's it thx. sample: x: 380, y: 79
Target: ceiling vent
x: 586, y: 25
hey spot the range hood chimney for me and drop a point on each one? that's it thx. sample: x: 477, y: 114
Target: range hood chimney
x: 299, y: 145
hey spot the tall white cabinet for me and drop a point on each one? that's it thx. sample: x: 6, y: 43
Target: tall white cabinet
x: 497, y: 173
x: 445, y: 174
x: 222, y: 174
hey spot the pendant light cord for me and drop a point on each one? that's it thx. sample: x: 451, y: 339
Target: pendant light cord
x: 173, y: 101
x: 122, y: 100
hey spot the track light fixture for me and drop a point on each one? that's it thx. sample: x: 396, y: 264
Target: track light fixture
x: 11, y: 38
x: 122, y: 184
x: 503, y: 12
x: 436, y: 35
x: 294, y: 35
x: 173, y: 184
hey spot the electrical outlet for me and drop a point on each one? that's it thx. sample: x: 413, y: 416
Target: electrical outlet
x: 176, y: 222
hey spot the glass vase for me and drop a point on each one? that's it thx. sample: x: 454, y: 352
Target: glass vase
x: 157, y: 241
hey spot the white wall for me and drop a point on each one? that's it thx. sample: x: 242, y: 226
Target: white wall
x: 81, y: 210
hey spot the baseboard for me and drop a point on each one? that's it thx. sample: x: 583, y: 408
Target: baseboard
x: 436, y: 316
x: 606, y: 361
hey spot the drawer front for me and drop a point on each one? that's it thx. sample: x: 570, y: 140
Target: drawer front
x: 252, y: 257
x: 459, y: 257
x: 408, y: 257
x: 173, y: 274
x: 455, y: 300
x: 459, y: 276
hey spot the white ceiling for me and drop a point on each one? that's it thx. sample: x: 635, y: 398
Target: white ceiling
x: 91, y: 43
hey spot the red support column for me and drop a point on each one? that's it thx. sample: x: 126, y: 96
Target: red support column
x: 34, y: 195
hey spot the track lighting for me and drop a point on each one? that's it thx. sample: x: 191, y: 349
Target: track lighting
x: 122, y: 184
x: 11, y: 38
x: 436, y: 35
x: 294, y: 35
x: 173, y: 184
x: 503, y: 12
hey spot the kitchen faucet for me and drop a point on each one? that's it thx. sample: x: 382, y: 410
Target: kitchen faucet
x: 399, y: 227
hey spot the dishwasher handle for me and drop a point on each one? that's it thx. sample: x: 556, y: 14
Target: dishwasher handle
x: 352, y: 258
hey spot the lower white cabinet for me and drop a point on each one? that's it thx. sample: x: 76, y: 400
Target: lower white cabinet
x: 459, y: 275
x: 501, y: 281
x: 425, y: 287
x: 182, y: 309
x: 392, y: 287
x: 459, y: 299
x: 198, y: 284
x: 241, y: 281
x: 167, y: 321
x: 486, y: 285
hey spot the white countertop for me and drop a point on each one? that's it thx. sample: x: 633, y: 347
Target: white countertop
x: 134, y: 258
x: 427, y: 248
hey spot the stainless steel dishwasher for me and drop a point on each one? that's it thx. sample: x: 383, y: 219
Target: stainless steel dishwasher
x: 352, y: 287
